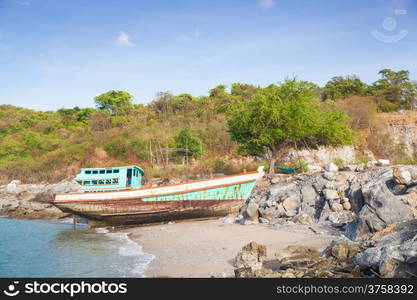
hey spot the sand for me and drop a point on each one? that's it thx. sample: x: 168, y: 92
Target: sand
x: 207, y: 248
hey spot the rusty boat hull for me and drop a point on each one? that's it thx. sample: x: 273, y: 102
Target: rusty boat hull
x: 137, y: 211
x: 196, y: 199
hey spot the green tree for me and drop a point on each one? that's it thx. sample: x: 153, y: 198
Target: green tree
x: 114, y: 102
x: 287, y: 115
x: 189, y: 140
x: 340, y: 87
x: 395, y: 90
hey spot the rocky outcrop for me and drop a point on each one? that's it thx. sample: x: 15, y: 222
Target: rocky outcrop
x: 361, y: 202
x: 305, y: 262
x: 251, y: 256
x: 32, y: 201
x: 389, y: 253
x: 385, y: 200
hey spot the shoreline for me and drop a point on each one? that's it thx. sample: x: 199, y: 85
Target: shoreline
x: 207, y: 248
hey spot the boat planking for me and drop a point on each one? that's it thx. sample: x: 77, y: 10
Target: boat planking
x: 114, y: 197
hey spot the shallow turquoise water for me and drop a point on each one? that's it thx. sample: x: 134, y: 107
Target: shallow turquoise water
x: 54, y: 249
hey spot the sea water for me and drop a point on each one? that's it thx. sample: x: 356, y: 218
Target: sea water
x: 37, y: 248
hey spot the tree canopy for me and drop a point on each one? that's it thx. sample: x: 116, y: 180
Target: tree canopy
x: 395, y: 90
x: 286, y: 115
x: 340, y: 87
x: 114, y: 102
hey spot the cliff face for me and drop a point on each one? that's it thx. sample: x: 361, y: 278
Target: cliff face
x: 402, y: 129
x: 393, y: 133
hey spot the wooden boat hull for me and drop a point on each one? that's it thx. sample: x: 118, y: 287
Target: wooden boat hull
x: 137, y: 211
x: 194, y: 199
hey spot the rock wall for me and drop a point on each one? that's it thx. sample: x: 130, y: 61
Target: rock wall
x: 323, y: 155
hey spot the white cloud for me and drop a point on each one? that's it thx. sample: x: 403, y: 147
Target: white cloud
x: 123, y: 40
x: 190, y: 36
x: 266, y: 3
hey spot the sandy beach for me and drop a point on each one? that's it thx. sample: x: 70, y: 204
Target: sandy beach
x: 207, y: 248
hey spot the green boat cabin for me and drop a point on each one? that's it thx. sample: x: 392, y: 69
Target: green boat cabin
x: 110, y: 179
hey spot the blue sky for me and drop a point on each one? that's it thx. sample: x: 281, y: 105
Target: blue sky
x: 62, y: 53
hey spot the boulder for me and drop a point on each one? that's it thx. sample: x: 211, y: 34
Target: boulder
x: 251, y: 256
x: 291, y: 205
x: 296, y: 256
x: 341, y: 218
x: 303, y: 219
x: 401, y: 176
x: 331, y: 167
x: 383, y: 162
x: 381, y: 206
x: 13, y: 187
x: 336, y: 207
x: 330, y: 194
x: 329, y: 176
x: 342, y: 249
x: 251, y: 212
x: 346, y: 205
x: 314, y: 168
x: 393, y: 252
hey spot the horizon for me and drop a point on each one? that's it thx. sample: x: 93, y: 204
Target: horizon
x: 62, y: 54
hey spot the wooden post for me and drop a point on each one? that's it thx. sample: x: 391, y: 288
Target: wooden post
x: 74, y: 222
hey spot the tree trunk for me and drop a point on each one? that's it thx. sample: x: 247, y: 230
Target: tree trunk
x: 272, y: 165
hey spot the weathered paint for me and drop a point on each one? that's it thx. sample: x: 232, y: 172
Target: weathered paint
x: 103, y: 174
x: 204, y: 198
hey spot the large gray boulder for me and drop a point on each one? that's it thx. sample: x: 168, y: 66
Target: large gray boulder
x: 382, y: 205
x: 392, y: 252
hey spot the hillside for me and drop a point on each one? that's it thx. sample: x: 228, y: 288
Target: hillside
x: 182, y: 135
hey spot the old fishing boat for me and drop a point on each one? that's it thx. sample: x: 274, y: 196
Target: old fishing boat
x: 115, y: 196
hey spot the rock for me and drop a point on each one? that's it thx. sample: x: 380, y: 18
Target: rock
x: 261, y: 273
x: 381, y: 206
x: 244, y: 272
x: 341, y: 218
x: 372, y: 163
x: 272, y: 212
x: 344, y: 199
x: 336, y: 207
x: 331, y: 167
x: 303, y: 219
x: 330, y: 194
x: 229, y: 219
x: 64, y: 186
x: 221, y: 275
x: 401, y: 176
x: 251, y: 212
x: 296, y: 256
x: 314, y: 168
x: 290, y: 205
x: 350, y: 168
x: 309, y: 197
x: 329, y: 176
x: 393, y: 251
x: 13, y: 187
x: 347, y: 206
x: 251, y: 256
x: 383, y: 162
x: 342, y: 250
